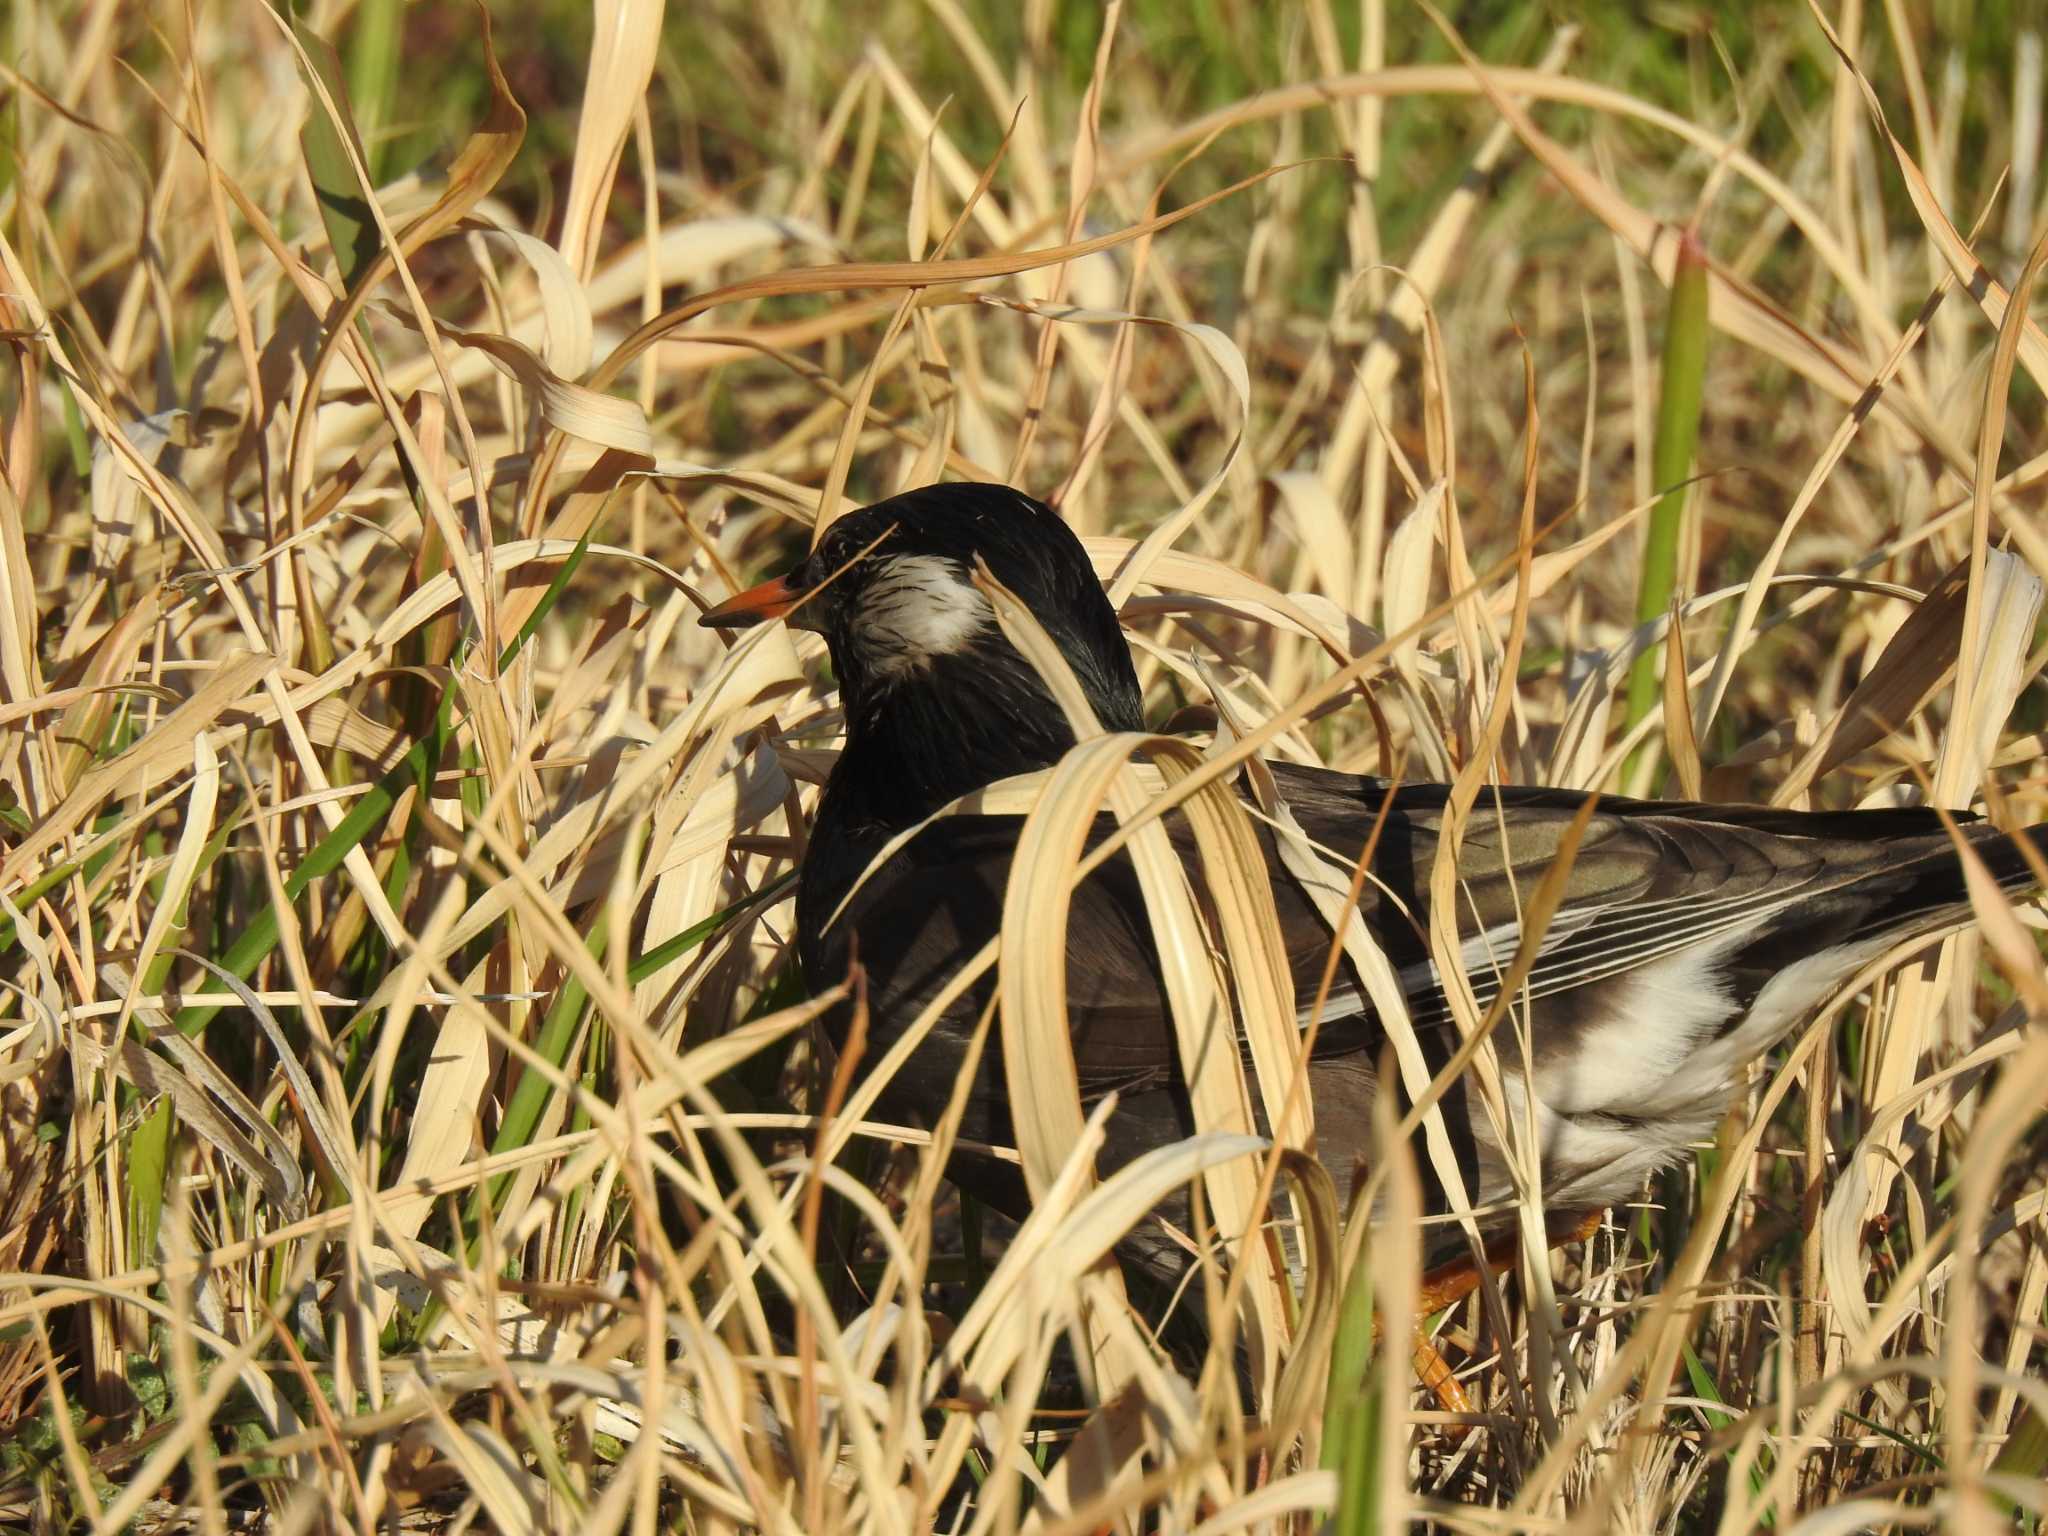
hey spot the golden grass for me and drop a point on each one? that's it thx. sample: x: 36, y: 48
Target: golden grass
x: 375, y: 1154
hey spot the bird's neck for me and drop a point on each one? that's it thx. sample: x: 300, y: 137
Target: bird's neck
x: 930, y: 739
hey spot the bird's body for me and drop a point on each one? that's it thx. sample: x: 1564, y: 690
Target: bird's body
x: 1690, y: 937
x: 1693, y: 938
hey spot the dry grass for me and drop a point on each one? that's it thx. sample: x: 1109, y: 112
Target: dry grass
x: 405, y: 1096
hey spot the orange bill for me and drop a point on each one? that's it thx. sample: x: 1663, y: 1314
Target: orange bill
x: 757, y: 605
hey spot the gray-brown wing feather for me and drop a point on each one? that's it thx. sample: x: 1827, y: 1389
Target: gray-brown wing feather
x: 1648, y: 881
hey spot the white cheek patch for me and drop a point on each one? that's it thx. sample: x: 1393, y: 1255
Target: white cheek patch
x: 916, y: 607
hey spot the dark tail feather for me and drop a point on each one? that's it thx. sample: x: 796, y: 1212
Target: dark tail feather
x: 1928, y: 890
x: 2008, y: 856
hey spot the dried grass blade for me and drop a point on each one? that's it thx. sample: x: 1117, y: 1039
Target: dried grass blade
x: 272, y: 1168
x: 2028, y: 343
x: 1733, y: 305
x: 147, y: 763
x: 495, y: 1474
x: 1045, y: 1093
x: 605, y: 420
x: 625, y: 43
x: 1678, y: 737
x: 1915, y: 663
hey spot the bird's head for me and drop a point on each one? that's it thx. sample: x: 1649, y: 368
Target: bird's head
x: 891, y: 588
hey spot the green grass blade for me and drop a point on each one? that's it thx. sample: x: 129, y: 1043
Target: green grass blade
x: 364, y: 817
x: 1704, y: 1386
x: 368, y: 813
x: 1351, y: 1431
x: 1678, y: 435
x: 376, y: 32
x: 2024, y: 1455
x: 675, y: 948
x: 351, y: 230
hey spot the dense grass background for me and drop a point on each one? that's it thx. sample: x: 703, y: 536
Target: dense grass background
x: 406, y: 1095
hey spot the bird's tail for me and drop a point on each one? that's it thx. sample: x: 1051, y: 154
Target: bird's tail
x: 1929, y: 889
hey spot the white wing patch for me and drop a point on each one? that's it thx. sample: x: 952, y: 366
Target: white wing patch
x: 1642, y: 1055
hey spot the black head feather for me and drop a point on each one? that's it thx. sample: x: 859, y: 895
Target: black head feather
x: 938, y: 702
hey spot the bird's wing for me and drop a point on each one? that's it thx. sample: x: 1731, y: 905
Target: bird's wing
x: 1649, y: 879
